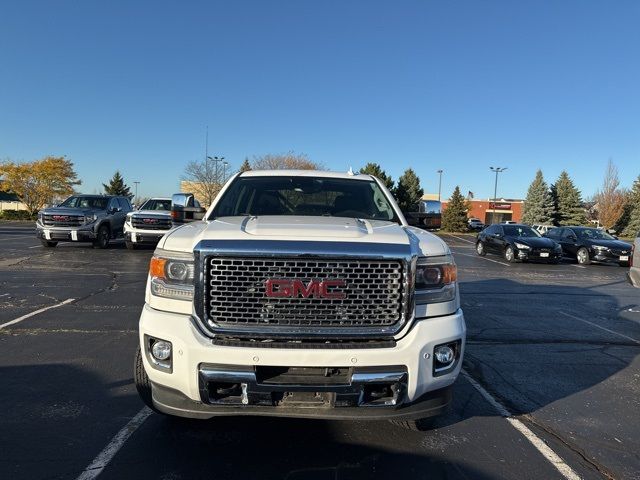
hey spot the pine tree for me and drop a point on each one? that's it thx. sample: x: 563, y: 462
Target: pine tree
x: 246, y: 166
x: 377, y: 171
x: 454, y: 216
x: 408, y: 192
x: 117, y: 186
x: 568, y: 202
x: 633, y: 205
x: 538, y: 208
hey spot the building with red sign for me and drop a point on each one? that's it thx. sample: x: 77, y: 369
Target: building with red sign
x: 504, y: 208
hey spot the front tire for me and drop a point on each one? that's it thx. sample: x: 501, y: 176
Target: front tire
x: 417, y: 425
x: 143, y: 385
x: 480, y: 249
x: 509, y: 254
x: 48, y: 244
x: 102, y: 238
x: 583, y: 256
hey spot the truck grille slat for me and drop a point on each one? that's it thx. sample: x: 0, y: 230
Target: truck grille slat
x: 55, y: 220
x: 235, y: 292
x: 151, y: 223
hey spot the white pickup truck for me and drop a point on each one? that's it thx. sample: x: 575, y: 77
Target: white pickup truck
x: 148, y: 224
x: 304, y: 294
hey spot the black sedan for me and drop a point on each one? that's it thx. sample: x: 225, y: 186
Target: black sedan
x: 587, y: 245
x: 518, y: 242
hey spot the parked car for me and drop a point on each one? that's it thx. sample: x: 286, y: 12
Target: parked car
x: 517, y: 242
x: 148, y: 225
x: 83, y: 218
x: 476, y: 224
x: 542, y: 229
x: 587, y: 244
x: 634, y: 271
x: 508, y: 222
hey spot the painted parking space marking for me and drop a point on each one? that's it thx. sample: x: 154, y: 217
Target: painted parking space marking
x: 96, y: 467
x: 36, y: 312
x: 483, y: 258
x: 539, y: 444
x: 600, y: 327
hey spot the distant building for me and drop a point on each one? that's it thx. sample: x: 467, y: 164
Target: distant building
x: 187, y: 186
x: 504, y: 208
x: 10, y: 201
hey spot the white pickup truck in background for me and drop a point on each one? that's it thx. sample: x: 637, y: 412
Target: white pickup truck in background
x: 305, y: 294
x: 147, y: 225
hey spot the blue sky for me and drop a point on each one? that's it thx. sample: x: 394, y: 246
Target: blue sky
x: 457, y: 85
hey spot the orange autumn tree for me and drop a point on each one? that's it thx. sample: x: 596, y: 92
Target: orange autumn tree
x: 39, y: 182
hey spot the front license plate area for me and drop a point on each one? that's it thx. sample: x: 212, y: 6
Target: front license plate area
x: 624, y: 258
x: 544, y: 254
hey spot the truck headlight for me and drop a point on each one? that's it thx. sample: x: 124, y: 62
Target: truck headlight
x: 90, y: 218
x: 128, y: 220
x: 436, y: 279
x: 172, y: 275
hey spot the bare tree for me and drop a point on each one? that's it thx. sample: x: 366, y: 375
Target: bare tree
x: 610, y: 200
x: 289, y: 160
x: 204, y: 178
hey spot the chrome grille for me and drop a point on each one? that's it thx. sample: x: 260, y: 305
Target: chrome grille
x: 60, y: 220
x: 618, y: 253
x: 151, y: 223
x: 235, y: 293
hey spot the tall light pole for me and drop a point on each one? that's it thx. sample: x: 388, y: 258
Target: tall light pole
x: 224, y: 171
x: 136, y: 184
x: 497, y: 170
x: 439, y: 183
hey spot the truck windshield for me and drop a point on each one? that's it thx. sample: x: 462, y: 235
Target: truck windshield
x: 306, y: 196
x: 156, y: 204
x: 97, y: 203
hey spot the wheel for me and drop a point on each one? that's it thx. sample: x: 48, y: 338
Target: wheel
x: 480, y: 249
x: 583, y: 256
x: 143, y: 386
x: 509, y: 254
x: 130, y: 245
x: 418, y: 425
x: 102, y: 238
x: 48, y: 244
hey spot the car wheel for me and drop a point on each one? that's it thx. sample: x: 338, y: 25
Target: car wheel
x: 583, y: 256
x: 143, y: 385
x: 48, y: 244
x: 130, y: 245
x: 509, y: 254
x: 480, y: 249
x: 418, y: 425
x: 102, y: 239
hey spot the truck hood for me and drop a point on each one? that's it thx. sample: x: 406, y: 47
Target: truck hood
x: 303, y: 228
x: 69, y: 211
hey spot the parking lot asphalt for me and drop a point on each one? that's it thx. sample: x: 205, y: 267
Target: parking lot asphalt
x: 556, y: 345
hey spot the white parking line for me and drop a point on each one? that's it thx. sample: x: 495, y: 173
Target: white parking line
x: 565, y: 470
x: 105, y: 456
x: 483, y: 258
x: 59, y: 243
x: 36, y: 312
x: 600, y: 327
x: 460, y: 238
x: 578, y: 266
x: 16, y: 237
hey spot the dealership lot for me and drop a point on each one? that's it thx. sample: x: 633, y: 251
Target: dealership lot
x: 556, y: 346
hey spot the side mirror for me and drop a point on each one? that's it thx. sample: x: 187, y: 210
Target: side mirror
x: 497, y: 235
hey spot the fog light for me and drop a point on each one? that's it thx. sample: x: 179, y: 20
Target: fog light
x: 161, y: 350
x: 444, y: 354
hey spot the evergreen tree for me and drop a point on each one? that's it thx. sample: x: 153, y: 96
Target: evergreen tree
x: 538, y: 207
x: 117, y: 186
x: 633, y: 206
x: 454, y: 216
x: 567, y: 200
x: 408, y: 192
x: 246, y: 166
x: 377, y: 171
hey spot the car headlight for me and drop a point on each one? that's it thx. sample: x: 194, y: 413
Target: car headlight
x: 172, y: 275
x: 522, y: 246
x: 600, y: 248
x: 436, y: 279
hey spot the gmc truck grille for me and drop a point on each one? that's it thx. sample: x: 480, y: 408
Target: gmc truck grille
x: 236, y: 292
x: 151, y: 223
x: 54, y: 220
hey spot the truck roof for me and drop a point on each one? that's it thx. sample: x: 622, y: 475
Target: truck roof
x: 306, y: 173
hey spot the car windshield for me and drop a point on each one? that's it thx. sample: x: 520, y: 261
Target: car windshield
x: 156, y: 204
x: 306, y: 196
x: 594, y: 234
x: 520, y: 231
x: 97, y: 203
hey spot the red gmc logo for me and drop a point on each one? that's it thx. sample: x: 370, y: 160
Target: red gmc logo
x: 285, y: 288
x: 60, y: 218
x: 149, y: 220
